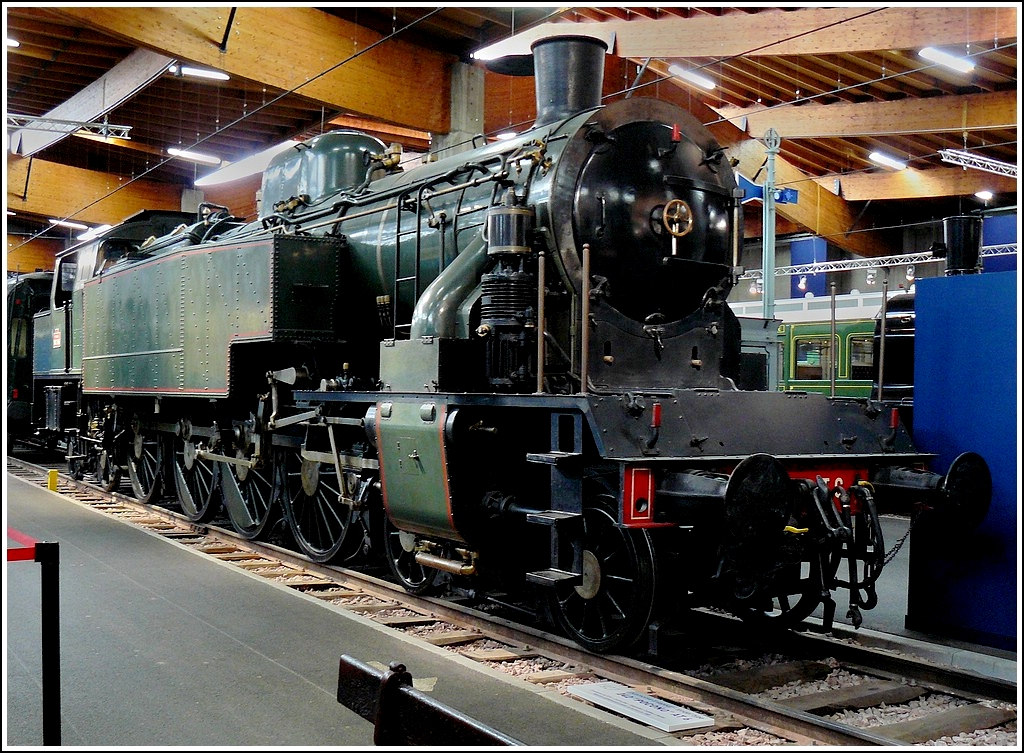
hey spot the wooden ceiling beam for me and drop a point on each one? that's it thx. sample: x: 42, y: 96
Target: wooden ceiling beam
x: 813, y: 31
x: 919, y: 184
x: 97, y: 198
x: 291, y: 48
x: 970, y: 112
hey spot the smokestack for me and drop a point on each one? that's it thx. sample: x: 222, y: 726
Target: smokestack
x: 569, y: 73
x: 962, y: 238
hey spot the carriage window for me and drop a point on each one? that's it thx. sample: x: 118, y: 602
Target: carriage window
x: 813, y: 358
x: 862, y: 358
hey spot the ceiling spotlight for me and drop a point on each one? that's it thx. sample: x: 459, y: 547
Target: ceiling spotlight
x: 13, y: 42
x: 185, y: 70
x: 910, y: 273
x: 505, y: 135
x: 870, y: 276
x: 944, y: 58
x: 802, y: 285
x: 887, y: 161
x: 692, y: 76
x: 206, y: 159
x: 984, y: 195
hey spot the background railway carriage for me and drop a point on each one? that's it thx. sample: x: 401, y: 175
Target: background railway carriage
x: 27, y: 294
x: 511, y: 373
x: 845, y: 358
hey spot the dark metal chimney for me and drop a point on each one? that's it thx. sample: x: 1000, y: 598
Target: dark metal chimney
x: 962, y: 238
x: 569, y: 75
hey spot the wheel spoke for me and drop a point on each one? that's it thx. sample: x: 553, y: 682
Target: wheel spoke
x: 611, y: 607
x: 195, y: 480
x: 108, y: 473
x: 144, y: 457
x: 413, y: 576
x: 248, y: 496
x: 312, y: 500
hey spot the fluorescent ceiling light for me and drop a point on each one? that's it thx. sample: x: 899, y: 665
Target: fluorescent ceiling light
x: 691, y: 76
x: 72, y: 225
x: 199, y: 72
x: 207, y: 159
x: 251, y: 165
x: 91, y: 233
x: 944, y: 58
x: 13, y: 42
x: 885, y: 159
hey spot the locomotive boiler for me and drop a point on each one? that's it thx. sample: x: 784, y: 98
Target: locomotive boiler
x: 511, y: 372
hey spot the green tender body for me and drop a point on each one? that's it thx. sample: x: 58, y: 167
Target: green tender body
x: 165, y: 326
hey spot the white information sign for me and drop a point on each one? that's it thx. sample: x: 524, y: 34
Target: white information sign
x: 639, y: 706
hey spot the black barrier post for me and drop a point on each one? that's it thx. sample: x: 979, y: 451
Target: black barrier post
x: 402, y: 715
x: 48, y: 557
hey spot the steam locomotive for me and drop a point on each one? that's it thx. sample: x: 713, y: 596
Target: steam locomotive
x: 511, y: 371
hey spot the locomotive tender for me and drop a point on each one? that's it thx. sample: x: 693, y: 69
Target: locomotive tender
x: 511, y: 371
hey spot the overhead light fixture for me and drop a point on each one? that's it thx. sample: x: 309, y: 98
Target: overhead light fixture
x: 93, y: 232
x: 910, y: 273
x: 870, y: 276
x: 984, y: 195
x: 944, y: 58
x: 251, y: 165
x: 68, y: 223
x: 186, y: 70
x: 13, y: 42
x: 692, y: 76
x: 802, y: 285
x: 206, y: 159
x: 887, y: 161
x: 505, y: 135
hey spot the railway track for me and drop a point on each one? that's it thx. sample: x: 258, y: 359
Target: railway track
x: 804, y: 689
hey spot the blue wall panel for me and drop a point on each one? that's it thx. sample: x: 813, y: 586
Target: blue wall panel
x: 999, y: 231
x: 808, y: 251
x: 963, y: 583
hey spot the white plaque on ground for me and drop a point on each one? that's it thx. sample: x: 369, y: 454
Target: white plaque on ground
x: 639, y: 706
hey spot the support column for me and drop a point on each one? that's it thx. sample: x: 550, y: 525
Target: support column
x: 467, y: 112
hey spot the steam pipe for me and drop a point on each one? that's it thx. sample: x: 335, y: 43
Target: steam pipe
x: 585, y: 321
x: 445, y: 565
x: 541, y: 283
